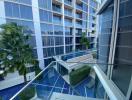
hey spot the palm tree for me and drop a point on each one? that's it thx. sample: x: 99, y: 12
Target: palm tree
x: 84, y: 40
x: 15, y: 53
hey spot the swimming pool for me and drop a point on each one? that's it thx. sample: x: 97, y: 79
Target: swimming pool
x: 74, y: 54
x: 6, y: 94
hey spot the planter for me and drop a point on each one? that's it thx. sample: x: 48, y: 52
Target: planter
x: 78, y: 75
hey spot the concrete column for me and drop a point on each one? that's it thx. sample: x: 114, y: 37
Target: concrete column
x: 2, y: 12
x: 38, y: 35
x: 63, y: 23
x: 74, y: 24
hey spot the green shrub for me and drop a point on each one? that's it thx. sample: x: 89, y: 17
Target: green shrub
x: 94, y: 55
x: 79, y: 75
x: 27, y: 94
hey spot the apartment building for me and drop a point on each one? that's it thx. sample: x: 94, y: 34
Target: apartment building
x: 115, y: 43
x: 56, y: 26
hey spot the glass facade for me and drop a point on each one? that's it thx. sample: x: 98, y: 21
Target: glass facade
x: 22, y: 15
x: 123, y: 48
x: 121, y: 58
x: 57, y: 32
x: 106, y: 20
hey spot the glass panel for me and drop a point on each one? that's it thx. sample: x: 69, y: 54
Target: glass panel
x: 46, y: 28
x: 26, y: 1
x: 106, y: 20
x: 59, y: 50
x: 15, y: 10
x: 59, y: 40
x: 48, y: 40
x: 122, y: 73
x: 57, y: 19
x: 58, y: 30
x: 26, y: 12
x: 8, y: 9
x: 45, y: 4
x: 48, y: 52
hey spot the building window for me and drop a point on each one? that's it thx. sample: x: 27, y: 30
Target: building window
x: 48, y: 40
x: 48, y: 52
x: 68, y: 31
x: 57, y: 19
x: 59, y: 50
x: 46, y: 29
x: 68, y: 40
x: 68, y: 49
x: 45, y: 15
x: 59, y: 40
x: 45, y: 4
x: 18, y: 11
x: 58, y: 30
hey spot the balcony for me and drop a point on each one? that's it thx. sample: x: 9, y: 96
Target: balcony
x: 53, y: 82
x: 79, y: 5
x: 68, y: 13
x: 79, y: 16
x: 69, y: 2
x: 56, y: 8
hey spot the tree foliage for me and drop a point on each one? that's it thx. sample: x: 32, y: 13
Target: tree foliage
x: 84, y: 40
x: 15, y: 52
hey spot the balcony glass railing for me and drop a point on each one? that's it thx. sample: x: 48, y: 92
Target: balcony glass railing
x: 68, y: 2
x: 57, y: 9
x: 79, y: 7
x: 86, y: 80
x: 68, y: 13
x: 79, y: 16
x: 44, y: 85
x: 78, y: 25
x: 68, y: 24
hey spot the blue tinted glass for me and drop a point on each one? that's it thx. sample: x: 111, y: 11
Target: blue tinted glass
x: 8, y: 9
x: 29, y: 26
x: 59, y: 50
x: 26, y: 12
x: 58, y: 40
x: 45, y: 4
x: 15, y: 10
x: 45, y: 15
x: 32, y: 41
x: 14, y: 21
x: 48, y: 40
x: 48, y: 52
x: 57, y: 19
x: 26, y: 1
x: 58, y: 30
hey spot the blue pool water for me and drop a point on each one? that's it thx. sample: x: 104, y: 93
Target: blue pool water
x: 6, y: 94
x: 72, y: 55
x: 52, y: 82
